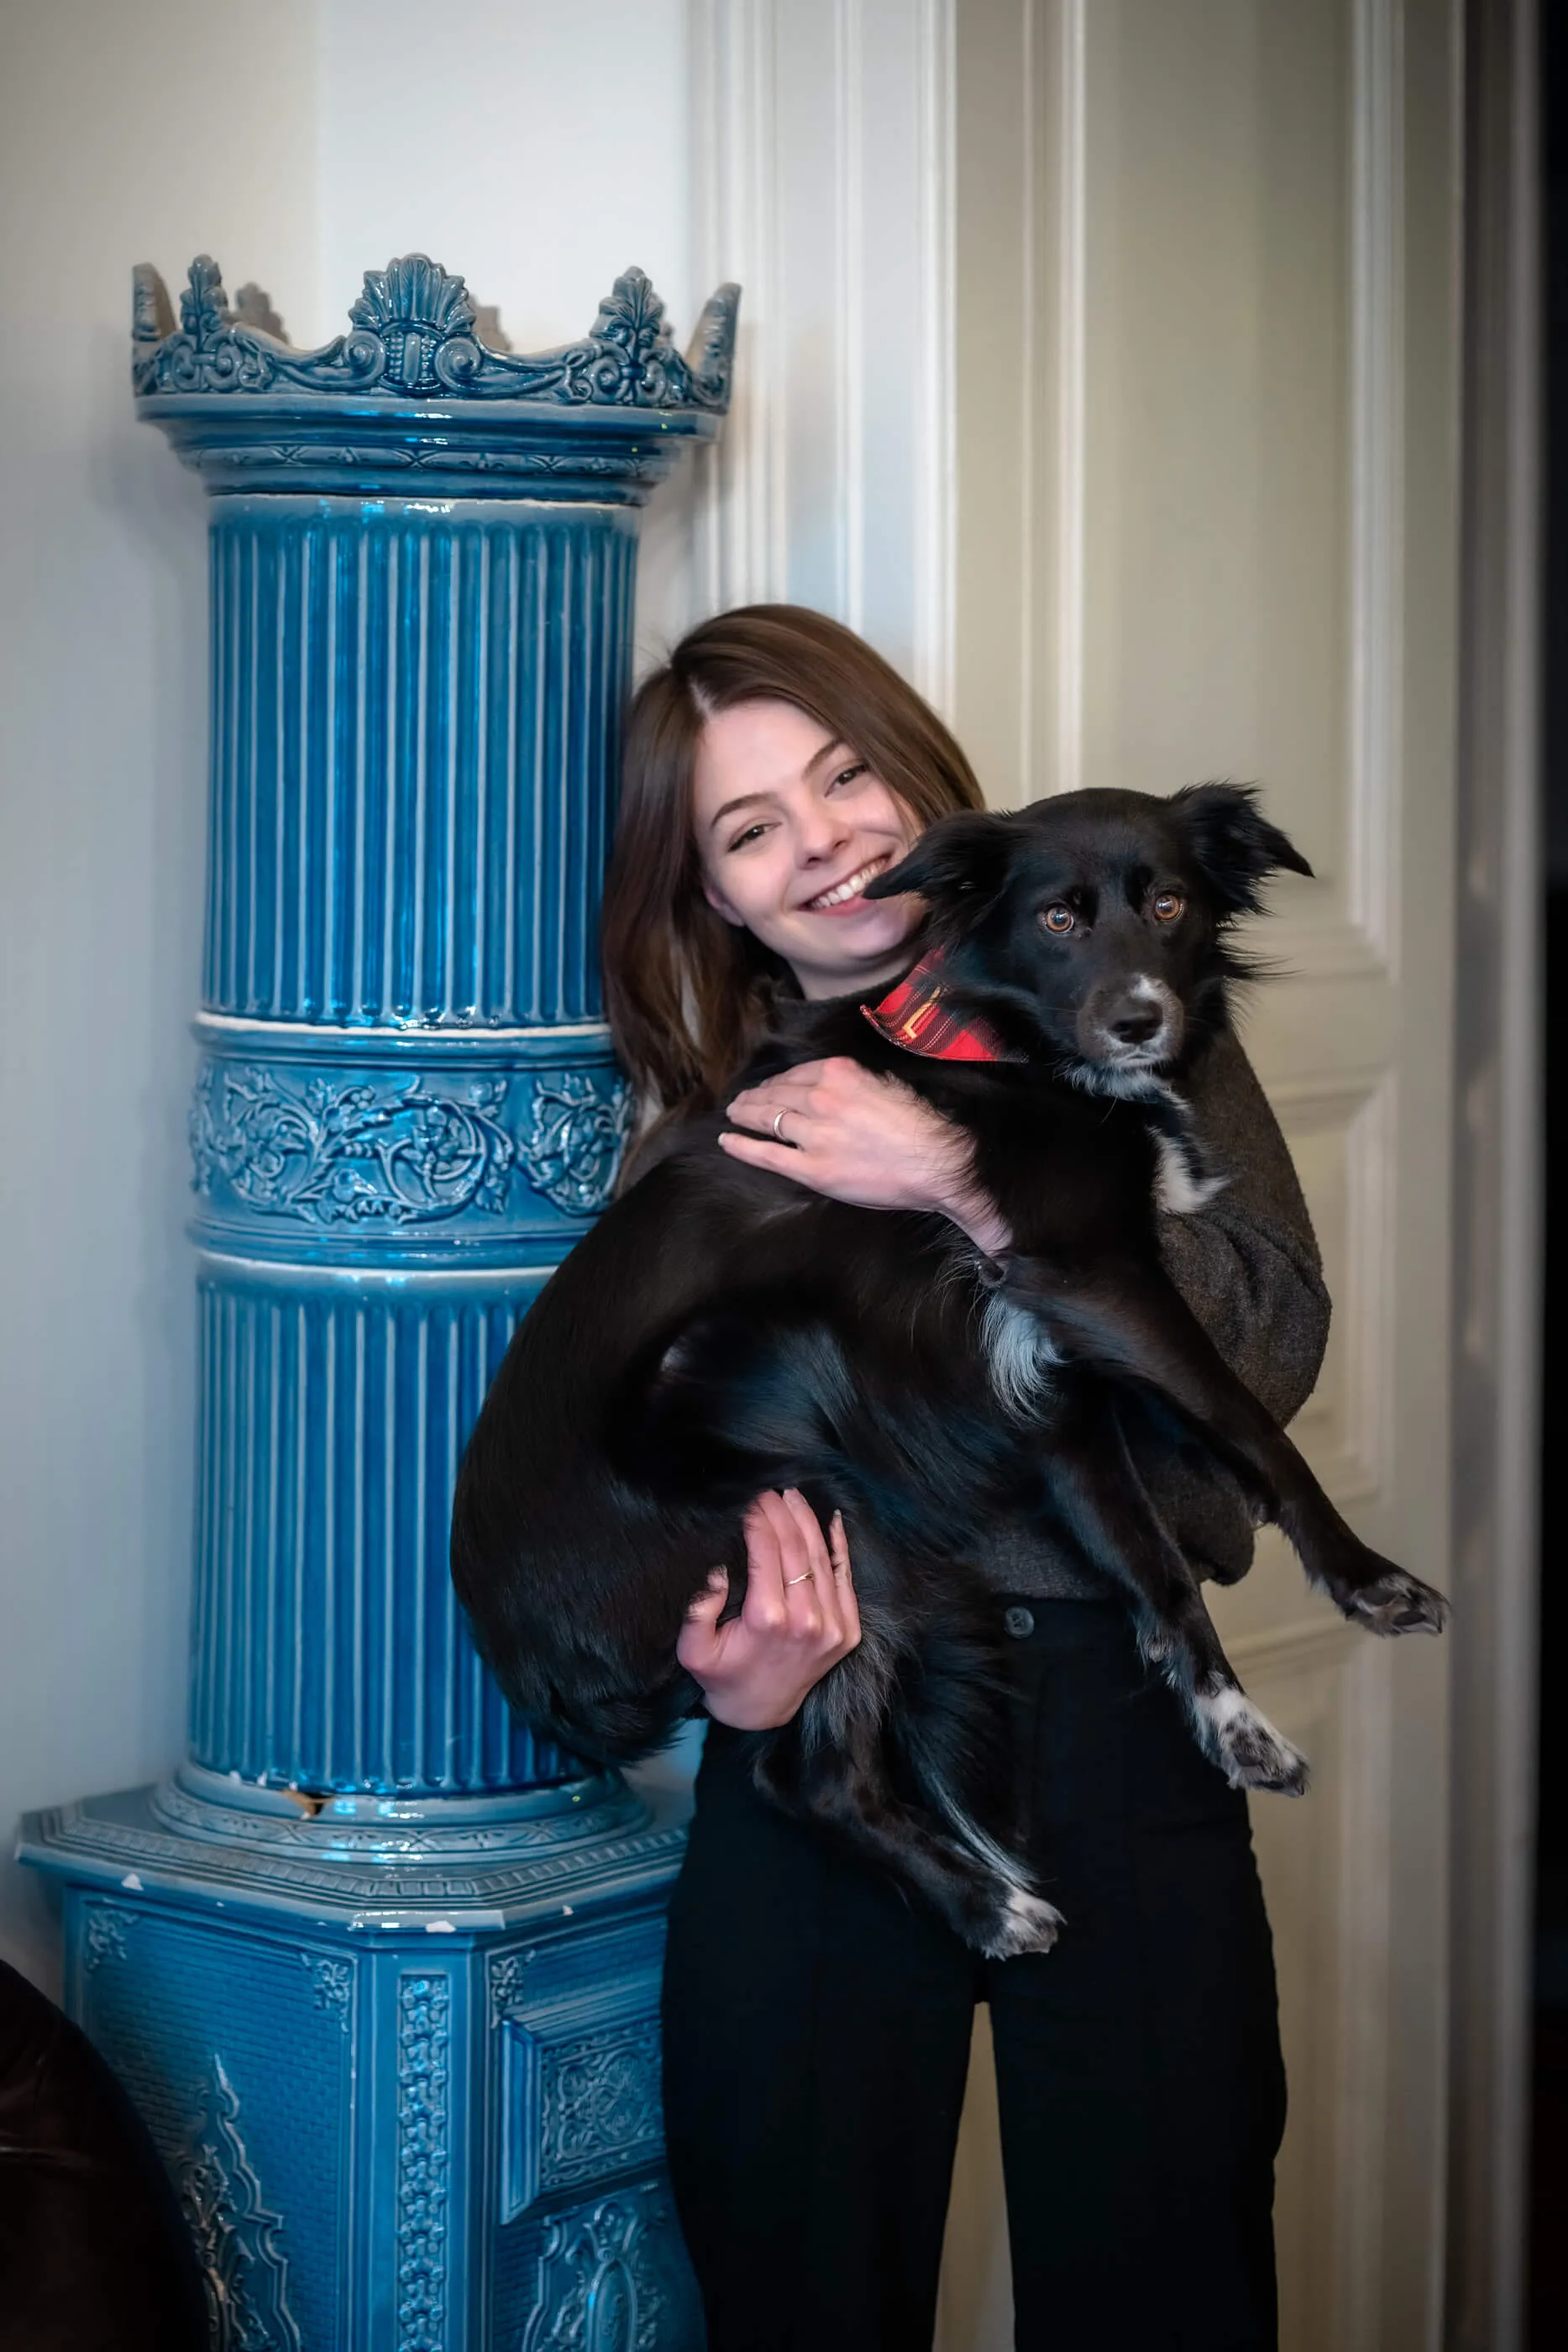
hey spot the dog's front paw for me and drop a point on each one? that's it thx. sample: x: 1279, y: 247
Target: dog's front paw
x: 1024, y: 1923
x: 1248, y: 1750
x: 1396, y: 1602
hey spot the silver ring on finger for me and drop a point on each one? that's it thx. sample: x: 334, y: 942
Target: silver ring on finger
x: 788, y: 1581
x: 779, y: 1136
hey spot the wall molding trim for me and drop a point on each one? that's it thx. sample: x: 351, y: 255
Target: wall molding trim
x: 741, y: 551
x: 937, y: 462
x: 1066, y: 92
x: 1303, y: 1647
x: 1376, y: 617
x: 823, y: 140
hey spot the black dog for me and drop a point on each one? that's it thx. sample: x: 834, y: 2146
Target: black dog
x: 722, y: 1330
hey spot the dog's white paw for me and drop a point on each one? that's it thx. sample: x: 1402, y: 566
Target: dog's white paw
x: 1249, y: 1750
x: 1397, y: 1602
x: 1027, y: 1922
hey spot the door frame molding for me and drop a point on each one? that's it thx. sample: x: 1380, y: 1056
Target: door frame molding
x: 1499, y: 1191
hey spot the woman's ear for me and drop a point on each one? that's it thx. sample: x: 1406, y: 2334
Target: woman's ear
x: 1233, y: 844
x: 959, y: 857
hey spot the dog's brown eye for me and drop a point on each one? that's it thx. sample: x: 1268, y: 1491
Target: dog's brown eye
x: 1059, y: 918
x: 1167, y: 907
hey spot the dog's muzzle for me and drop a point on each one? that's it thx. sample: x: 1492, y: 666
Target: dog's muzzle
x: 1136, y: 1025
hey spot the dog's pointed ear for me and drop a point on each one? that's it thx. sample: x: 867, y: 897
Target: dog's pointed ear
x: 960, y: 860
x: 1233, y: 843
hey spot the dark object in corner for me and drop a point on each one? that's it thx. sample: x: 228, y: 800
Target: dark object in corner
x: 94, y: 2255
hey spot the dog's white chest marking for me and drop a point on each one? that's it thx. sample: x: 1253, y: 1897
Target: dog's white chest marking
x: 1018, y: 1353
x: 1180, y: 1186
x: 1018, y: 1350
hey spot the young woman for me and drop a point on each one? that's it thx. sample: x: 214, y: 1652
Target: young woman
x: 817, y: 2017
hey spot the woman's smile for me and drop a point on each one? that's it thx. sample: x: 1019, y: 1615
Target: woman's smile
x: 841, y: 899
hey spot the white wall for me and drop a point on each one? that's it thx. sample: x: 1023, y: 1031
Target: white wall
x: 125, y: 133
x: 301, y: 143
x: 537, y: 150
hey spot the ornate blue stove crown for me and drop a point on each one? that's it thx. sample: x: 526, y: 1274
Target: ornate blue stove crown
x: 420, y: 355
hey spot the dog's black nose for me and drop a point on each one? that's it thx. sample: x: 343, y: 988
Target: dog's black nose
x: 1138, y: 1025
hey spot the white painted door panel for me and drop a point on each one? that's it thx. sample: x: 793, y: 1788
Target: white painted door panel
x: 1221, y: 358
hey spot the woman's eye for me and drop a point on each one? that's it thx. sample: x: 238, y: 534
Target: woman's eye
x: 752, y: 833
x: 848, y: 775
x: 1167, y: 906
x: 1059, y: 918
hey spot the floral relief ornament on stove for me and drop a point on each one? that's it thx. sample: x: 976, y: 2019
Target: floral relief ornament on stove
x: 342, y: 1155
x: 338, y: 1155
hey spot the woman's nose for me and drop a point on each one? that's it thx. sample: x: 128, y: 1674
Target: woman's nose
x: 822, y: 834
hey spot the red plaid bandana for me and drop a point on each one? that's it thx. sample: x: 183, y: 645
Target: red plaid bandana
x: 913, y: 1016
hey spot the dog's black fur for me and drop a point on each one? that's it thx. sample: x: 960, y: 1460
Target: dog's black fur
x: 722, y: 1330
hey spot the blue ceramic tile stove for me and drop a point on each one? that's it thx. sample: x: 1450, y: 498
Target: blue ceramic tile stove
x: 381, y: 1970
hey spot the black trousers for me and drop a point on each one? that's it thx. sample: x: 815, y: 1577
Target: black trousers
x: 817, y: 2028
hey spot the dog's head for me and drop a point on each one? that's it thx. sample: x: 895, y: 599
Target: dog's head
x: 1097, y: 925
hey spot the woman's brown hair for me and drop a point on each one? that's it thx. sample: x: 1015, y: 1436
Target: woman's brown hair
x: 688, y: 995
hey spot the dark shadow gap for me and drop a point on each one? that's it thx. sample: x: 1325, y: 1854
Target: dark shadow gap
x: 1549, y: 2138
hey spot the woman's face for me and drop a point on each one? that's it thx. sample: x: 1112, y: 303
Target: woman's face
x: 790, y: 827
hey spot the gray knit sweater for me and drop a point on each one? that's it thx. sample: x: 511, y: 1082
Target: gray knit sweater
x: 1247, y: 1266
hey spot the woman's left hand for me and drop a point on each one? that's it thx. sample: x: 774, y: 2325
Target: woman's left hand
x: 840, y: 1130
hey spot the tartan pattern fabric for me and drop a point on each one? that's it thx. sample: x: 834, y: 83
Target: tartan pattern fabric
x: 913, y: 1015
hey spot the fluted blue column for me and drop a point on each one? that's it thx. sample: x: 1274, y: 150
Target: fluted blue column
x: 442, y: 2128
x: 405, y: 1109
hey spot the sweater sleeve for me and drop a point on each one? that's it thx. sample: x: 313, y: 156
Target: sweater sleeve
x: 1248, y: 1264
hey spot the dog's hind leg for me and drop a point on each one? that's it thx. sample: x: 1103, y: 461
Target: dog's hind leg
x: 832, y: 1767
x: 981, y: 1891
x: 1095, y: 1482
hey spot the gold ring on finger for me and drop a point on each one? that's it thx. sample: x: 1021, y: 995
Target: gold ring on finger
x: 788, y: 1581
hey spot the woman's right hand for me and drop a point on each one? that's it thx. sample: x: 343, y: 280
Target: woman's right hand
x: 799, y: 1617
